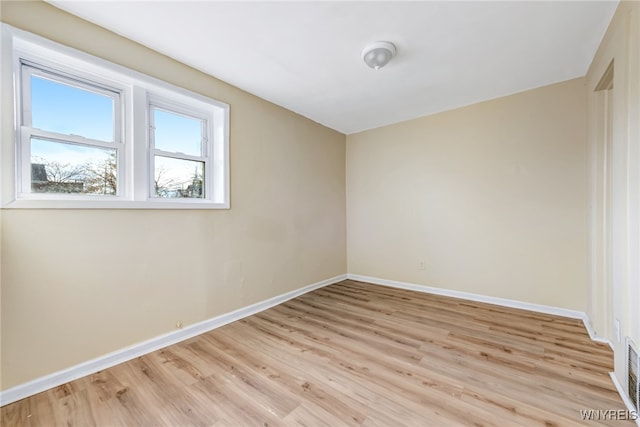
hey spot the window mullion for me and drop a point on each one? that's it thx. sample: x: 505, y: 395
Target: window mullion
x: 138, y: 132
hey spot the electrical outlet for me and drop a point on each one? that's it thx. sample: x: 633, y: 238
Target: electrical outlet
x: 179, y: 324
x: 616, y: 329
x: 421, y: 265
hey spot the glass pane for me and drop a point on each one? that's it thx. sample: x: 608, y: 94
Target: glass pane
x: 178, y: 178
x: 69, y: 110
x: 57, y: 167
x: 176, y: 133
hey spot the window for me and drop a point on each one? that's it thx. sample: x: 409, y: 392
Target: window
x: 71, y: 138
x: 178, y: 143
x: 92, y: 134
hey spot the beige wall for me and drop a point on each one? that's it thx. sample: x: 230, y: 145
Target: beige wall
x: 77, y: 284
x: 492, y: 197
x: 614, y: 192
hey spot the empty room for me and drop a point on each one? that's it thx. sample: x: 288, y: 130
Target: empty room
x: 322, y: 213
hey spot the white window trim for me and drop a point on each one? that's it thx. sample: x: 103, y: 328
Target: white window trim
x: 136, y: 90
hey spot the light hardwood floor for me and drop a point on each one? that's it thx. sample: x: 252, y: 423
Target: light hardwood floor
x: 351, y: 354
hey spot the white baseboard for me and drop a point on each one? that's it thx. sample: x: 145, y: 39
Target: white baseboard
x: 119, y: 356
x: 625, y: 398
x: 592, y: 333
x: 558, y: 311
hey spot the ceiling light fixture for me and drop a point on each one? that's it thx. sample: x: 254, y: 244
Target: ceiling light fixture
x: 378, y: 54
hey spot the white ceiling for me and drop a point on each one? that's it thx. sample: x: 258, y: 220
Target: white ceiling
x: 305, y: 56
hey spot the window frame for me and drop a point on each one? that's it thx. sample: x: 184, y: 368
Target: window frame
x: 157, y: 103
x: 135, y: 166
x: 27, y: 131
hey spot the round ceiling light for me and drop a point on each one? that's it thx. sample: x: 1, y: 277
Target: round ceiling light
x: 378, y: 54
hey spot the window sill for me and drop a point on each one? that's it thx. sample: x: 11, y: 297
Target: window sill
x: 114, y: 204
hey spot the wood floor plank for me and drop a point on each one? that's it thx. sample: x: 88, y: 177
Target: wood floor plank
x: 351, y: 354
